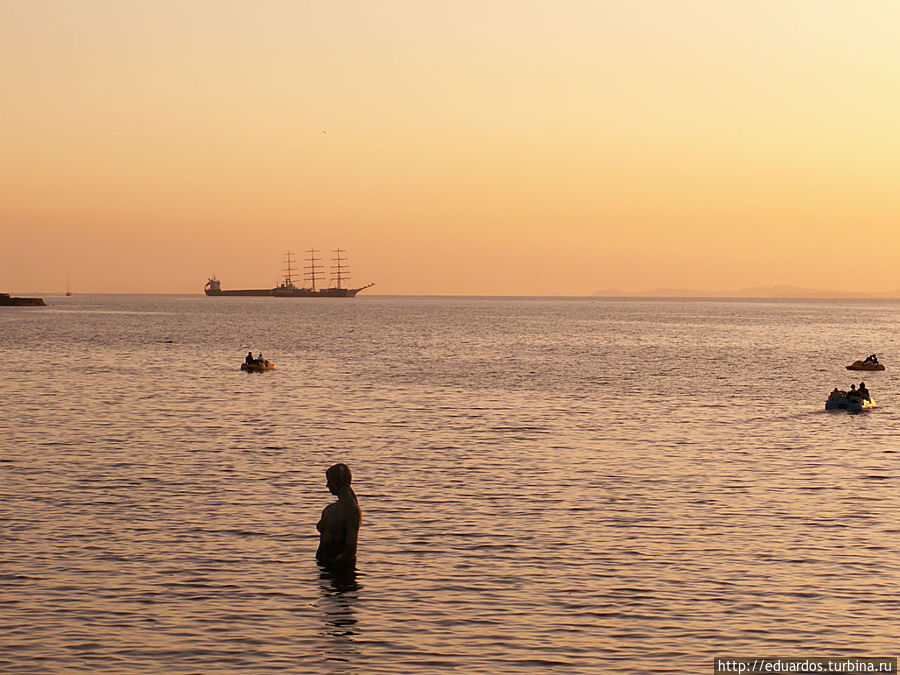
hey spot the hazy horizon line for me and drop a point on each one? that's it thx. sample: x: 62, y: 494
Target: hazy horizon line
x: 782, y: 292
x: 762, y: 292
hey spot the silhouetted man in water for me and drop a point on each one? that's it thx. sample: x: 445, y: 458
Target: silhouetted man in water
x: 339, y: 525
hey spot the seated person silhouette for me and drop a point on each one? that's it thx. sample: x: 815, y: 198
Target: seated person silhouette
x: 864, y: 392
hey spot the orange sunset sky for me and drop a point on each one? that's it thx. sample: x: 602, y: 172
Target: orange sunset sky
x: 468, y: 147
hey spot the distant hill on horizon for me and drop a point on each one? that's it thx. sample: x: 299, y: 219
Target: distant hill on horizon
x: 771, y: 292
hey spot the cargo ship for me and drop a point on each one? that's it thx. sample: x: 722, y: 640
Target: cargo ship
x: 287, y: 288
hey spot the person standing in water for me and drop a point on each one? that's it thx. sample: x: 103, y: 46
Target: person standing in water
x: 339, y: 524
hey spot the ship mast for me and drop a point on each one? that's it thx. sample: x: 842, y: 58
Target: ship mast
x: 288, y: 270
x: 312, y: 267
x: 338, y: 269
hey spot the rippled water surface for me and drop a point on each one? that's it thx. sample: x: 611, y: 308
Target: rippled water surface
x: 547, y: 485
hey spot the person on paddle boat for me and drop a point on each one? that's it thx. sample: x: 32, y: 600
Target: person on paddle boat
x: 249, y: 359
x: 836, y: 395
x: 864, y: 392
x: 853, y: 393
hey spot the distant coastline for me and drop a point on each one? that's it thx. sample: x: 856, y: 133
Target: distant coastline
x: 761, y: 292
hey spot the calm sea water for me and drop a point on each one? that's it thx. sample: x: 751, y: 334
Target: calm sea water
x: 547, y: 485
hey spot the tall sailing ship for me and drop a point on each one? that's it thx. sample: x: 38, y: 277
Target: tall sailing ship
x: 287, y: 288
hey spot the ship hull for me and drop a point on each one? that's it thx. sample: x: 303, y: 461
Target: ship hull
x: 321, y: 293
x: 250, y: 292
x: 293, y: 292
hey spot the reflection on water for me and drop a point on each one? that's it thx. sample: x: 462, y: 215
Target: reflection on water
x: 339, y: 593
x: 572, y: 486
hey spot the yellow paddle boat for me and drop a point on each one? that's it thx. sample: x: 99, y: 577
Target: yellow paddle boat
x: 851, y: 401
x: 258, y: 367
x: 862, y: 365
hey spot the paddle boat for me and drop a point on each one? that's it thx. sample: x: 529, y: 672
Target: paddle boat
x: 865, y: 365
x: 258, y: 366
x: 852, y: 401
